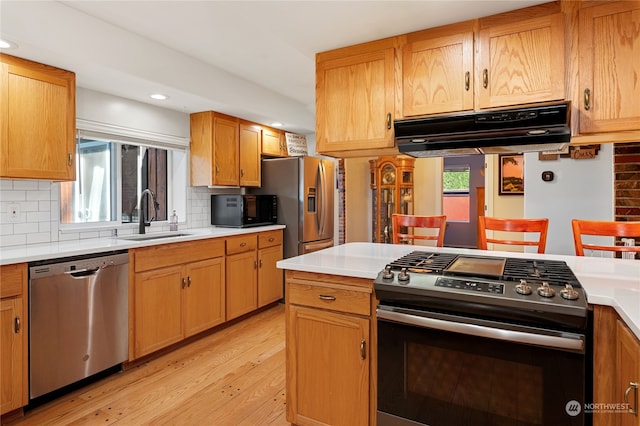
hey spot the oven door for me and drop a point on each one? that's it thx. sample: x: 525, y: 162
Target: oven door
x: 443, y: 370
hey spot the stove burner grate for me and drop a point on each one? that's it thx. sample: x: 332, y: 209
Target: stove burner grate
x: 424, y: 261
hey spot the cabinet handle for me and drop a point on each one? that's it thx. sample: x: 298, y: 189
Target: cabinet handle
x: 260, y: 263
x: 363, y: 349
x: 271, y: 239
x: 217, y: 169
x: 467, y: 80
x: 189, y: 281
x: 485, y: 78
x: 326, y: 297
x: 388, y: 121
x: 241, y: 172
x: 255, y: 264
x: 183, y: 283
x: 587, y: 99
x: 634, y: 386
x: 69, y: 159
x: 16, y: 325
x: 243, y: 244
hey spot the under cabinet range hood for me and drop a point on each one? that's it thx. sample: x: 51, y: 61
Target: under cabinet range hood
x: 528, y: 129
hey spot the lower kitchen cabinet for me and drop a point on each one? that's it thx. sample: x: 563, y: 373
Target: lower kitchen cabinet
x: 241, y: 273
x: 13, y: 337
x: 330, y: 350
x: 270, y: 278
x: 628, y: 373
x: 178, y: 291
x: 616, y: 369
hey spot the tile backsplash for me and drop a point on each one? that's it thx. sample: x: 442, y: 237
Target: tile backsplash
x: 37, y: 214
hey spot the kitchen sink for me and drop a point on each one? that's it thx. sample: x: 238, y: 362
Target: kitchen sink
x: 154, y: 236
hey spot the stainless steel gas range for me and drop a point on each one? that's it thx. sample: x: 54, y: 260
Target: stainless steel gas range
x: 483, y: 340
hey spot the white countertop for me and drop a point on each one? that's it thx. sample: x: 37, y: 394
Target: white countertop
x: 611, y: 282
x: 34, y: 252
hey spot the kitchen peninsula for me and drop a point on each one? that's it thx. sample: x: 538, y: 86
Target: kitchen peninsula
x: 331, y: 294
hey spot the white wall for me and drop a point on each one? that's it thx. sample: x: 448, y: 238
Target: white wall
x: 581, y: 189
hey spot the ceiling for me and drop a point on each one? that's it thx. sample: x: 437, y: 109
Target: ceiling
x: 251, y: 59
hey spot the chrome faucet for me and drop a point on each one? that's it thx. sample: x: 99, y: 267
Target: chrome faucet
x: 142, y: 224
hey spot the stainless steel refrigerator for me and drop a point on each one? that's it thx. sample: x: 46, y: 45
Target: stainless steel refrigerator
x: 304, y: 187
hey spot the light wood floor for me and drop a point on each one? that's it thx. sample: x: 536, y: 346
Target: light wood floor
x: 235, y: 376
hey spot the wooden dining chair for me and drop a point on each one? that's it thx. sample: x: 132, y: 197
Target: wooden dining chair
x: 539, y: 226
x: 401, y: 223
x: 604, y: 229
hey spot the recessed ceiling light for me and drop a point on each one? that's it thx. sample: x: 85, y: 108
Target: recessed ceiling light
x: 276, y: 124
x: 5, y: 44
x: 159, y: 96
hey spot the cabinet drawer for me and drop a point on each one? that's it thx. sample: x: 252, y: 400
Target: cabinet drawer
x: 12, y: 278
x: 269, y: 238
x: 355, y: 302
x: 241, y: 243
x: 177, y: 253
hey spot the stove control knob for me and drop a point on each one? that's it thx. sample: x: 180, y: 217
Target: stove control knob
x: 545, y: 291
x: 387, y: 274
x: 403, y: 275
x: 523, y: 288
x: 569, y: 293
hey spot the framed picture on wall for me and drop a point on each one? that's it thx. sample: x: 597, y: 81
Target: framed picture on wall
x: 511, y: 174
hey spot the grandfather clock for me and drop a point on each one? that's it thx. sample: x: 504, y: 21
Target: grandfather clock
x: 392, y: 192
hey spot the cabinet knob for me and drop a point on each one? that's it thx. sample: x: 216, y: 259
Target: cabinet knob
x: 271, y: 239
x: 587, y: 99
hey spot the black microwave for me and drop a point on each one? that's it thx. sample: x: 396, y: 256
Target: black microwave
x: 240, y: 210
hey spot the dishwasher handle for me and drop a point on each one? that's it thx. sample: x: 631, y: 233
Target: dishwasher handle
x: 81, y: 273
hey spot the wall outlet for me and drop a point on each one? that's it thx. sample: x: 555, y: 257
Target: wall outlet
x: 13, y: 213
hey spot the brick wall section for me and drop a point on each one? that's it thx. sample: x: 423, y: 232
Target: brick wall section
x: 626, y: 162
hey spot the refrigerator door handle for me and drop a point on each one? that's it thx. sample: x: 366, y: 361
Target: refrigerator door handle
x: 320, y: 184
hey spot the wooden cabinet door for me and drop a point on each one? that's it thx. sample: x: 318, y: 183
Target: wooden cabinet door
x: 437, y: 71
x: 628, y: 366
x: 38, y: 116
x: 12, y: 357
x: 226, y: 169
x: 328, y: 368
x: 250, y: 145
x: 204, y: 297
x: 609, y: 46
x: 241, y: 284
x: 273, y: 143
x: 158, y: 309
x: 521, y: 62
x: 270, y: 277
x: 355, y: 101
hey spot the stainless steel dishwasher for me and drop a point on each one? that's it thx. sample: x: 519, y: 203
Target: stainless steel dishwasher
x: 78, y: 311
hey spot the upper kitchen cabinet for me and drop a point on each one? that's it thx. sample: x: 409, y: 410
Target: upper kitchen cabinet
x: 437, y: 70
x: 609, y: 67
x: 520, y: 57
x: 250, y: 148
x: 355, y: 99
x: 38, y: 110
x: 274, y: 143
x: 215, y: 149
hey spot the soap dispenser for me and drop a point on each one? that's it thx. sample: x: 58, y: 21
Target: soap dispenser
x: 173, y: 222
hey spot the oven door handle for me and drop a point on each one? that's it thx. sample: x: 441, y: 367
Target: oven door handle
x: 557, y: 342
